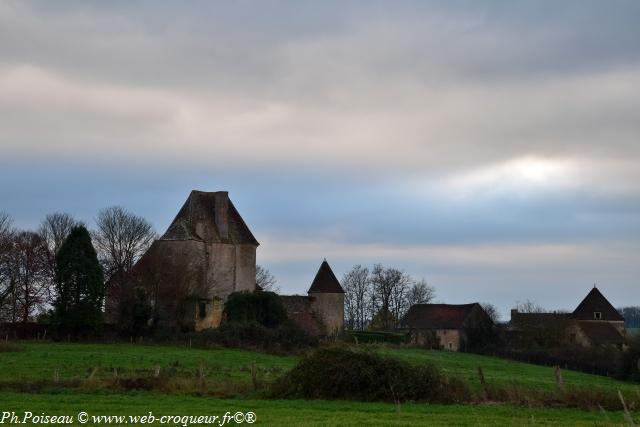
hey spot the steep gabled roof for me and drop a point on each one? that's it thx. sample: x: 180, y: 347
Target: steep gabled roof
x: 196, y: 220
x: 596, y: 302
x: 438, y: 316
x: 601, y: 333
x: 325, y: 281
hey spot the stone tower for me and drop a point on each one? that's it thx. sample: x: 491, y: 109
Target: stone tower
x: 327, y: 299
x: 207, y: 253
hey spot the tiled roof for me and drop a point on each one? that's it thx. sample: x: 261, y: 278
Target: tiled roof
x: 196, y: 220
x: 437, y: 316
x: 325, y: 281
x: 601, y: 333
x: 596, y: 302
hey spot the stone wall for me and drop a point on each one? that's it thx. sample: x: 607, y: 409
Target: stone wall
x: 449, y: 339
x: 330, y: 308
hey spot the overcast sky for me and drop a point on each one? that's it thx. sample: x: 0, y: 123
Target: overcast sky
x: 491, y: 148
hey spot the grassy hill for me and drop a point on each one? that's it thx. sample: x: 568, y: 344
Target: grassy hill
x: 38, y: 361
x: 504, y: 372
x: 225, y: 381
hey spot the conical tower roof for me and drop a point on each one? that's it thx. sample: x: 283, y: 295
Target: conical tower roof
x: 325, y: 281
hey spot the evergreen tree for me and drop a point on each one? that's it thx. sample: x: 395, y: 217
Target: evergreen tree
x: 79, y: 278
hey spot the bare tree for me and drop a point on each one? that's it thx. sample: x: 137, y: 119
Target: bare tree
x: 27, y: 271
x: 386, y: 282
x: 54, y: 229
x: 492, y: 311
x: 265, y: 280
x: 528, y: 306
x: 631, y: 316
x: 5, y: 224
x: 356, y: 283
x: 421, y: 293
x: 121, y: 238
x: 7, y: 276
x: 400, y: 299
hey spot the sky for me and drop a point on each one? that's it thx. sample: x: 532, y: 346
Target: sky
x: 489, y: 147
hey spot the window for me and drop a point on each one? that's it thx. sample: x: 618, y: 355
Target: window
x: 597, y: 315
x: 450, y: 345
x: 202, y: 310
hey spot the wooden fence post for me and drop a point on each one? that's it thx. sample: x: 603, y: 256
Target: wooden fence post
x: 559, y: 380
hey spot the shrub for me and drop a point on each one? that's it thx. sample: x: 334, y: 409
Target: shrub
x: 286, y: 337
x: 631, y: 359
x: 338, y: 373
x: 264, y: 308
x: 377, y: 337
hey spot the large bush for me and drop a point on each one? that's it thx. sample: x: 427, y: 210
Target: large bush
x: 264, y: 308
x: 286, y: 337
x: 339, y: 373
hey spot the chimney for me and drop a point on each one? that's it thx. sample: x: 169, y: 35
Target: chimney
x: 222, y: 213
x: 514, y: 313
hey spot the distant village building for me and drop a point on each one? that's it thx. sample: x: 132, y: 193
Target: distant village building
x: 321, y: 312
x: 447, y: 326
x: 595, y: 322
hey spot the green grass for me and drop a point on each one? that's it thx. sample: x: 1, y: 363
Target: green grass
x: 38, y: 360
x: 302, y: 413
x: 505, y: 372
x: 633, y: 331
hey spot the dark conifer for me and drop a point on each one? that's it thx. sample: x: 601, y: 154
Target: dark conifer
x: 79, y: 278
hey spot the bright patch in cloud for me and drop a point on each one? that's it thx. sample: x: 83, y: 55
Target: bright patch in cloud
x: 524, y: 174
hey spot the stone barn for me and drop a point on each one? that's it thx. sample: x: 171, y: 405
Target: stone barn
x: 321, y: 312
x: 447, y: 326
x: 207, y: 253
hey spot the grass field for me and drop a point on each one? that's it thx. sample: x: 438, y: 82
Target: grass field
x: 504, y: 372
x: 229, y: 369
x: 303, y: 413
x: 76, y: 361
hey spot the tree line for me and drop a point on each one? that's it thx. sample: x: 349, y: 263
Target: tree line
x: 378, y: 298
x: 58, y: 271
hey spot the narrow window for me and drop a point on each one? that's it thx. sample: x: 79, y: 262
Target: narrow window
x: 597, y: 315
x: 450, y: 345
x: 202, y: 310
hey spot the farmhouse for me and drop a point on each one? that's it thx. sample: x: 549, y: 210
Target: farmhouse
x: 452, y: 327
x: 321, y: 312
x: 594, y: 322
